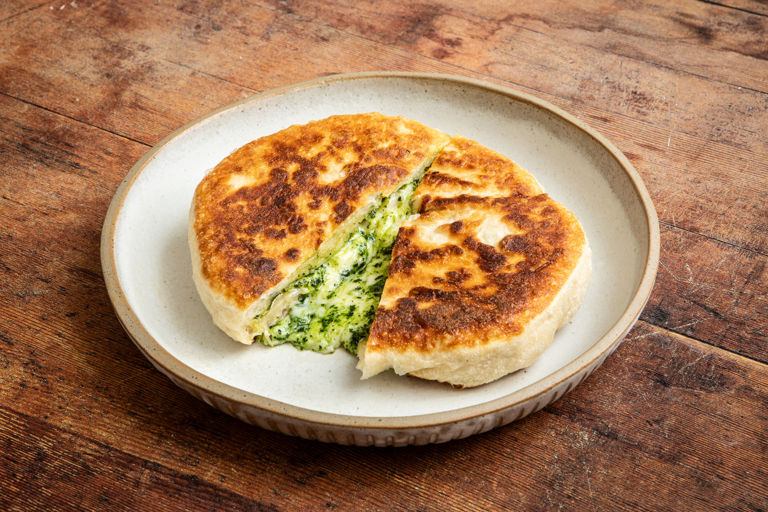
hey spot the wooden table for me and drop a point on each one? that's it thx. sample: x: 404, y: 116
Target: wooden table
x: 677, y: 419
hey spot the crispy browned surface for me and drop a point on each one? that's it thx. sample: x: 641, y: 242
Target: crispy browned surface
x: 466, y: 167
x: 451, y: 284
x: 269, y: 205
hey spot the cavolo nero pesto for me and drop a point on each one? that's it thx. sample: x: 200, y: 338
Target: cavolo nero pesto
x: 333, y: 303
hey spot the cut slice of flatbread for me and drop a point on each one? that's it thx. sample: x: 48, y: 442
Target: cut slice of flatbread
x: 482, y: 278
x: 277, y: 205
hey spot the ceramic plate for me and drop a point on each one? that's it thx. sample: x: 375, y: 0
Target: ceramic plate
x: 147, y: 265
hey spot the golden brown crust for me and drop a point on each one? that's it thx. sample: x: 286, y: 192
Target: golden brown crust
x: 477, y: 270
x: 465, y: 167
x: 269, y: 205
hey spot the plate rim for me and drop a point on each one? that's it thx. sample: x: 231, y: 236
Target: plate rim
x: 175, y: 369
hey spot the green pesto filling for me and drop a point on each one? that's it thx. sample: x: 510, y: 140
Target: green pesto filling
x: 336, y: 299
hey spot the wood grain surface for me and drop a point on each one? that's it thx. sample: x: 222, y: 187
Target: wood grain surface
x: 676, y: 419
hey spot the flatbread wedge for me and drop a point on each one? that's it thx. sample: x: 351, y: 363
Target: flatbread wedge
x: 481, y: 278
x: 280, y: 204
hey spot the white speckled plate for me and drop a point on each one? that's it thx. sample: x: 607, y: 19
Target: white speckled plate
x: 147, y: 265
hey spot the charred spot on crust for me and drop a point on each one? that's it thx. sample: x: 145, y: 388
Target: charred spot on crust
x: 424, y: 294
x: 393, y: 152
x: 439, y: 179
x: 275, y: 234
x: 296, y: 224
x: 278, y: 175
x: 362, y: 178
x: 292, y: 254
x: 404, y: 263
x: 489, y: 259
x: 251, y: 247
x: 457, y: 276
x: 466, y: 159
x: 342, y: 211
x: 261, y: 265
x: 515, y: 243
x: 444, y: 203
x: 401, y: 264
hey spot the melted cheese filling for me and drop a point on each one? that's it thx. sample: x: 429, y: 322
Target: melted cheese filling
x: 333, y: 303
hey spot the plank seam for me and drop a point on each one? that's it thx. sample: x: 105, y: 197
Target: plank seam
x: 22, y: 12
x: 621, y: 55
x: 101, y: 444
x: 211, y: 75
x: 544, y: 34
x: 741, y: 9
x: 648, y: 62
x: 731, y: 244
x: 732, y: 353
x: 79, y: 121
